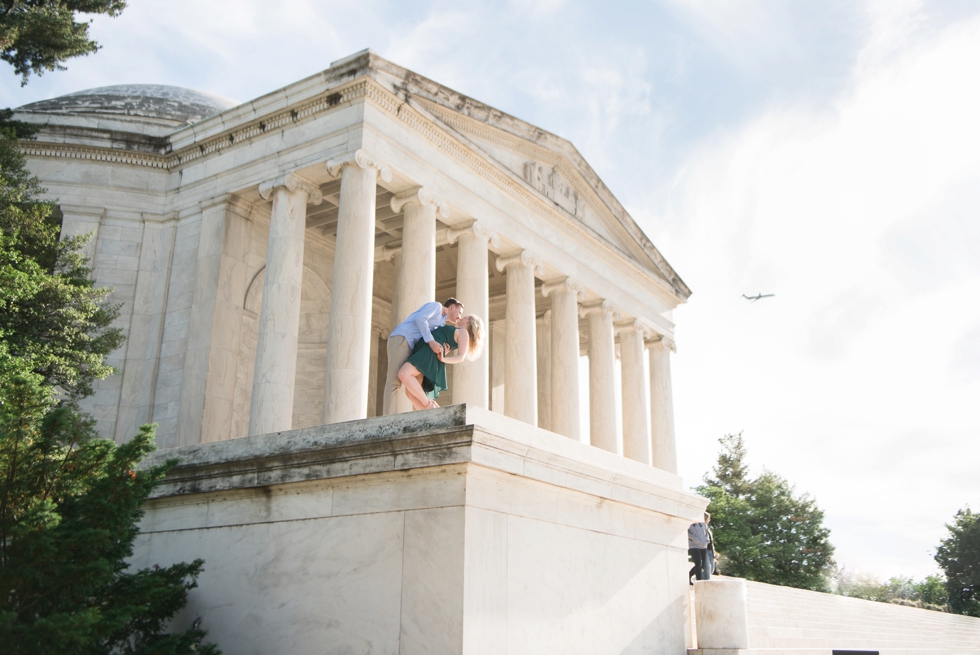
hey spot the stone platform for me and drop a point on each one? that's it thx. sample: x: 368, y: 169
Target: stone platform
x: 454, y: 530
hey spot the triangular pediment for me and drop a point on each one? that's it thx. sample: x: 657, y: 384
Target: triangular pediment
x: 547, y: 164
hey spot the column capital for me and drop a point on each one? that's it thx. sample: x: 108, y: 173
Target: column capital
x: 643, y: 327
x: 665, y: 343
x: 292, y: 182
x: 605, y: 306
x: 419, y: 196
x: 568, y: 284
x: 524, y: 258
x: 388, y: 251
x: 477, y: 228
x: 358, y: 158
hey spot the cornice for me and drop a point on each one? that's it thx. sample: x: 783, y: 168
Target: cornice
x: 267, y: 125
x: 94, y: 153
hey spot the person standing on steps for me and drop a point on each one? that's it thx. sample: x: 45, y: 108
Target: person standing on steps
x: 402, y: 340
x: 711, y: 558
x: 698, y: 542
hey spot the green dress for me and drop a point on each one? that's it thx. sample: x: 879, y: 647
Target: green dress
x: 432, y: 370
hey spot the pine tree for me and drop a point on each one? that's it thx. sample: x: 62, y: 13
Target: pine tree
x: 762, y: 529
x: 731, y: 471
x: 38, y: 35
x: 69, y: 501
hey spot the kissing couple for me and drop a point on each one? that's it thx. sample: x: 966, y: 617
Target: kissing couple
x: 419, y: 349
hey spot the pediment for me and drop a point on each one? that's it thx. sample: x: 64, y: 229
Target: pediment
x: 556, y: 175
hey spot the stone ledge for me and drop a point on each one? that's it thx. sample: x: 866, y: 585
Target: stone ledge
x: 460, y: 434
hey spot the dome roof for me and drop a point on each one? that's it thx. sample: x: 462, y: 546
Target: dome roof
x: 173, y: 104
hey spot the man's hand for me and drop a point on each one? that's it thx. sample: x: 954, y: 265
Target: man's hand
x: 436, y: 346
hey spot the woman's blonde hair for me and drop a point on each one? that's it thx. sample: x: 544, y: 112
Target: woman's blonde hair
x: 476, y: 330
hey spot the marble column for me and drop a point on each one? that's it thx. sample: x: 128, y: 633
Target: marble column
x: 472, y: 379
x: 636, y: 433
x: 415, y: 282
x: 498, y: 348
x: 275, y: 354
x: 378, y: 335
x: 602, y: 375
x: 393, y: 253
x: 349, y: 337
x: 543, y: 332
x: 663, y: 447
x: 565, y: 296
x: 520, y: 377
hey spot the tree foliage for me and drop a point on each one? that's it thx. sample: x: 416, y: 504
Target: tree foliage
x: 38, y: 35
x: 929, y: 593
x: 53, y: 320
x: 959, y: 556
x: 762, y: 530
x: 69, y: 501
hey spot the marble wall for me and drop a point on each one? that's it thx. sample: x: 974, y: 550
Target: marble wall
x: 451, y: 531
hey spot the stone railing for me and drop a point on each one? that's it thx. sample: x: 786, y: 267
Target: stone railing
x: 736, y: 615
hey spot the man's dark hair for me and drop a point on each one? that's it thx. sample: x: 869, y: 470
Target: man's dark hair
x: 450, y: 302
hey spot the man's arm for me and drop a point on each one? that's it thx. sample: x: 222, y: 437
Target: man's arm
x: 428, y: 313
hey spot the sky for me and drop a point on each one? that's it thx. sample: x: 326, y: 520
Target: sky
x: 827, y: 152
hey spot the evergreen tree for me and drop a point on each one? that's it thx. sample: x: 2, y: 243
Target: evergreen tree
x: 959, y: 556
x: 53, y: 320
x: 762, y: 529
x: 69, y: 501
x: 38, y: 35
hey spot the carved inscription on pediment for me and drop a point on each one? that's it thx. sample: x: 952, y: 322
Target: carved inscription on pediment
x: 550, y: 182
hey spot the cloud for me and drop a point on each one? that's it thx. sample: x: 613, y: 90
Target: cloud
x: 861, y: 217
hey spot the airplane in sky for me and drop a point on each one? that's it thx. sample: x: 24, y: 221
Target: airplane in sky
x: 758, y: 296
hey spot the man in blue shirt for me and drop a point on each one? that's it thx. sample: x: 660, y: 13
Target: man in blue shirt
x: 402, y: 340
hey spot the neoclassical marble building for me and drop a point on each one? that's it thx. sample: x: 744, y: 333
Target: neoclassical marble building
x: 263, y: 251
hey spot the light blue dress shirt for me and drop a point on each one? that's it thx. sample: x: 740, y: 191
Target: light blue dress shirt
x: 419, y: 324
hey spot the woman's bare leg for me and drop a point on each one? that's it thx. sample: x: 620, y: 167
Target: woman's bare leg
x: 416, y: 403
x: 411, y: 380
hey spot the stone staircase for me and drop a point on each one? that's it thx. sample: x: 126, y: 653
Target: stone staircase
x: 782, y: 620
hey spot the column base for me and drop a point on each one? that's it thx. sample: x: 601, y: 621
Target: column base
x: 453, y: 530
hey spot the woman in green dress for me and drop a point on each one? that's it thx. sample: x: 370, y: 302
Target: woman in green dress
x: 424, y: 374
